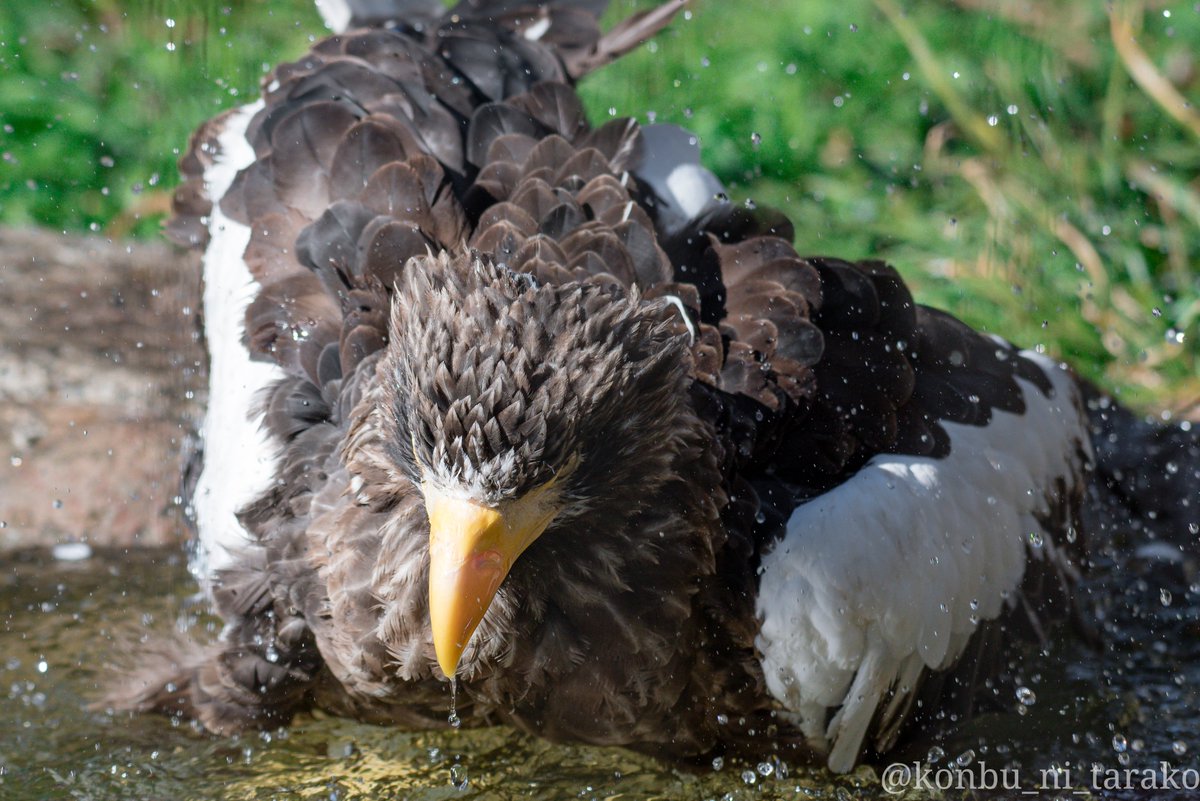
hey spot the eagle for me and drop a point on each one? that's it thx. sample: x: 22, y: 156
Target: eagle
x: 504, y: 402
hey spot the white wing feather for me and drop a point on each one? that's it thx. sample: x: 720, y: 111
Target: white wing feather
x: 239, y: 458
x: 902, y: 562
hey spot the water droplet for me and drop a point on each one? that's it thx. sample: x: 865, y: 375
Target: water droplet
x: 1119, y: 743
x: 718, y: 763
x: 965, y: 758
x: 459, y: 777
x: 453, y: 719
x: 722, y: 719
x: 755, y: 139
x: 935, y: 755
x: 853, y: 28
x: 1026, y: 696
x: 1035, y: 539
x: 71, y: 551
x: 1164, y: 595
x: 1179, y: 748
x: 749, y: 777
x: 765, y: 769
x: 42, y: 666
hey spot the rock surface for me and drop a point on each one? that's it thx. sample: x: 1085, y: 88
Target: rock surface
x: 101, y: 370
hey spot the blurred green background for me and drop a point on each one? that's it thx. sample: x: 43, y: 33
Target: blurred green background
x: 1033, y: 167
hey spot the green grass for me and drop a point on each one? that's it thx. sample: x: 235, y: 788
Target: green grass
x: 1001, y: 155
x: 97, y: 99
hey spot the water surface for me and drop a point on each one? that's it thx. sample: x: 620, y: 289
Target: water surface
x: 63, y: 625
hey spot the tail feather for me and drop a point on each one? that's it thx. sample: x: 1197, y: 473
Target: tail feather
x: 227, y: 688
x: 160, y: 682
x: 624, y: 37
x: 571, y: 26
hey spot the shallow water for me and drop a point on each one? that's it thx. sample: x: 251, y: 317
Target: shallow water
x: 63, y: 623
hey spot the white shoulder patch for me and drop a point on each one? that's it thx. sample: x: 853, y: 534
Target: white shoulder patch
x: 670, y: 166
x: 891, y: 572
x: 239, y: 458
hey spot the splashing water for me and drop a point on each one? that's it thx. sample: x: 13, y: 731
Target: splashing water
x: 77, y: 618
x: 453, y: 719
x: 459, y: 777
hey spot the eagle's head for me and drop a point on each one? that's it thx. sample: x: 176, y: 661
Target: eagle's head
x: 517, y: 408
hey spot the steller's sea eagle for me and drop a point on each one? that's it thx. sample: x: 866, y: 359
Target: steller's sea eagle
x: 503, y: 397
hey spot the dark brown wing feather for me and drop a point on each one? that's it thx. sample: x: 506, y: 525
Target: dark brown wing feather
x: 188, y: 226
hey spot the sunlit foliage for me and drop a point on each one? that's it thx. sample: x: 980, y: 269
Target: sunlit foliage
x: 1031, y: 167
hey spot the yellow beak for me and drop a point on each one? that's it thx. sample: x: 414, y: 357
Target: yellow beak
x: 471, y: 549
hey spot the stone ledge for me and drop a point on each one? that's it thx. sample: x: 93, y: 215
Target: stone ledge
x: 101, y: 371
